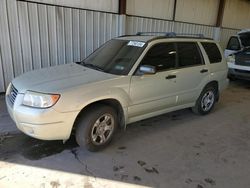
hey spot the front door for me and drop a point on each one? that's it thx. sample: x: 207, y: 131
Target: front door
x: 152, y: 93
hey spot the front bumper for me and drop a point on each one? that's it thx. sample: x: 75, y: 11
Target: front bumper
x: 45, y: 124
x: 238, y: 71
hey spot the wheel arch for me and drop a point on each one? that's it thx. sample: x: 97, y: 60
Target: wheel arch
x: 114, y: 103
x: 215, y: 84
x: 197, y: 107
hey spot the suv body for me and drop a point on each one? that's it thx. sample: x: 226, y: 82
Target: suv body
x: 146, y: 76
x: 238, y: 55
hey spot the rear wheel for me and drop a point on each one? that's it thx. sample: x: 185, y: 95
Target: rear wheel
x: 96, y: 127
x: 206, y: 101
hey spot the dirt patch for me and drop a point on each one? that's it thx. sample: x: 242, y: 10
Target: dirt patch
x: 141, y: 163
x: 122, y: 148
x: 210, y: 181
x: 117, y: 168
x: 151, y: 170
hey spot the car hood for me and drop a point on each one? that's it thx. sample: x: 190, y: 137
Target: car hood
x: 243, y: 57
x: 58, y: 78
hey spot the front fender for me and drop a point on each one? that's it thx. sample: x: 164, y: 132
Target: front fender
x: 75, y: 99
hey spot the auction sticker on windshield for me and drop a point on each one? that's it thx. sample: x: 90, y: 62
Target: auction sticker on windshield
x: 136, y: 43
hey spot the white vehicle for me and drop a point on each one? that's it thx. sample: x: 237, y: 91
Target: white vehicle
x: 129, y: 78
x: 238, y: 55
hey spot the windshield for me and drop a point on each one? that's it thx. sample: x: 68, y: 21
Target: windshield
x: 245, y: 39
x: 115, y: 56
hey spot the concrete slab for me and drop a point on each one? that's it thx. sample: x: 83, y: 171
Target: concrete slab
x: 177, y: 149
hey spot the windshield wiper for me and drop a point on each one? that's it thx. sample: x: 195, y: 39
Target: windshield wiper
x: 89, y: 65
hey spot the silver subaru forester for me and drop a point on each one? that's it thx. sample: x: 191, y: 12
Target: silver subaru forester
x: 127, y: 79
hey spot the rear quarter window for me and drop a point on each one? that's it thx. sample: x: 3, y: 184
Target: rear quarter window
x: 212, y: 51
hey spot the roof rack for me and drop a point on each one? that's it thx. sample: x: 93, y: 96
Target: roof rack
x: 171, y: 34
x: 153, y: 33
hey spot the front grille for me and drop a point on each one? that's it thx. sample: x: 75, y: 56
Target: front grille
x: 243, y: 71
x: 242, y: 59
x: 243, y: 63
x: 12, y: 94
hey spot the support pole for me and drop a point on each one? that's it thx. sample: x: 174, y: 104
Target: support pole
x: 174, y: 11
x: 220, y: 13
x: 122, y: 17
x: 122, y: 6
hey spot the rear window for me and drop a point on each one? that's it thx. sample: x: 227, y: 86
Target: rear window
x: 188, y: 54
x: 212, y: 51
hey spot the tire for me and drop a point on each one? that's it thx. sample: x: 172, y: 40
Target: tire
x: 90, y: 130
x: 206, y: 101
x: 231, y: 77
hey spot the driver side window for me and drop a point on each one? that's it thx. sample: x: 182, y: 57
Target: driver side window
x: 162, y: 56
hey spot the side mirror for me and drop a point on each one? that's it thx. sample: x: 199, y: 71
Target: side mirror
x: 147, y: 69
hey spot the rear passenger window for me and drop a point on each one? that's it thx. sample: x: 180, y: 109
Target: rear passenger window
x: 212, y: 51
x: 188, y: 54
x: 162, y: 56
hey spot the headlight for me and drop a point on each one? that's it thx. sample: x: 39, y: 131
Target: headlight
x: 8, y: 89
x: 40, y: 100
x: 231, y: 59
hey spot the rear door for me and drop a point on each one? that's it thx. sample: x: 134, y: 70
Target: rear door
x: 192, y: 72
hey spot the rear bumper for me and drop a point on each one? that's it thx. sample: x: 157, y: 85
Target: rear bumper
x: 45, y: 124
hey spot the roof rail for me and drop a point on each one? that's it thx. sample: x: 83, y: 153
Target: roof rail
x: 168, y: 34
x: 172, y: 34
x: 191, y: 34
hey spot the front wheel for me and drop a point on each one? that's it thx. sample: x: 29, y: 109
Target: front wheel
x: 206, y: 101
x: 96, y: 127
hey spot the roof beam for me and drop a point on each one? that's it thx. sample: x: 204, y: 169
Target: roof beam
x: 174, y: 11
x: 122, y: 6
x: 220, y: 13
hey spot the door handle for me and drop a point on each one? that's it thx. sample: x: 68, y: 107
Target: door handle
x: 203, y: 71
x: 170, y: 77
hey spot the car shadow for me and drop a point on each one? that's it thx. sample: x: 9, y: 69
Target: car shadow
x: 33, y: 151
x: 245, y: 84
